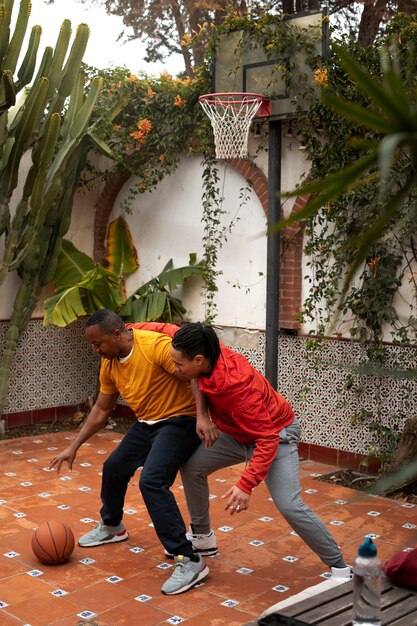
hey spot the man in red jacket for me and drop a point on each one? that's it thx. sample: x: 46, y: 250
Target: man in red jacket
x: 257, y: 426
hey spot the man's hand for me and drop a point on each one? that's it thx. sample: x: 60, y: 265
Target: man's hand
x: 207, y: 431
x: 67, y: 455
x: 238, y: 500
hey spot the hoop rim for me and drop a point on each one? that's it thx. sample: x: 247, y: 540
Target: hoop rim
x: 265, y: 104
x: 237, y: 95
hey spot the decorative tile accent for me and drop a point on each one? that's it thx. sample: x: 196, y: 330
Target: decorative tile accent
x: 143, y: 598
x: 59, y: 593
x: 175, y: 619
x: 34, y: 573
x: 87, y: 561
x: 86, y: 614
x: 230, y: 603
x: 280, y: 588
x: 244, y: 570
x: 256, y: 543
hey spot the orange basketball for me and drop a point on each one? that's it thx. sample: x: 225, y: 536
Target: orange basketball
x: 53, y: 542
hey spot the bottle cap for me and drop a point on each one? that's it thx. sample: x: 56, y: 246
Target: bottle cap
x: 368, y: 548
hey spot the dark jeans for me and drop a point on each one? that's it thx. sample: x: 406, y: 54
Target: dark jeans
x: 160, y: 450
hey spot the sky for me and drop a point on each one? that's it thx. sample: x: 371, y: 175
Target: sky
x: 103, y: 49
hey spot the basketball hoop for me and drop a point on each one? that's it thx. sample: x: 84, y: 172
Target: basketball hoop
x: 231, y: 115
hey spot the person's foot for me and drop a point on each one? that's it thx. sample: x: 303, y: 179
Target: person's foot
x: 186, y: 574
x: 341, y: 574
x: 102, y: 534
x: 204, y: 545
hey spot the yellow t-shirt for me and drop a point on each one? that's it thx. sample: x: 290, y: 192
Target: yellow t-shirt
x: 145, y: 380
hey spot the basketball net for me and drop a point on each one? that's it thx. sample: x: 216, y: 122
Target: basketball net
x: 231, y: 115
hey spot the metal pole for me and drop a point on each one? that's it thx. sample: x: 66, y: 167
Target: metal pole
x: 273, y: 254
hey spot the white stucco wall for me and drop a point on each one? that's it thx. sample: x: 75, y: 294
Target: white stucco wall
x: 166, y: 223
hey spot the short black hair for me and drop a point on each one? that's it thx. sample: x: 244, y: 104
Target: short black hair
x: 107, y: 321
x: 196, y: 338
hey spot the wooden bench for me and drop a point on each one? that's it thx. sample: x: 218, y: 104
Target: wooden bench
x: 333, y: 607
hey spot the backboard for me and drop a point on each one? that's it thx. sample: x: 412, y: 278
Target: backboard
x: 242, y: 65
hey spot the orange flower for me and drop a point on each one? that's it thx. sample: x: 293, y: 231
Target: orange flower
x: 150, y: 92
x: 373, y: 263
x: 117, y: 128
x: 145, y: 125
x: 133, y: 78
x: 321, y: 76
x: 179, y: 102
x: 144, y: 128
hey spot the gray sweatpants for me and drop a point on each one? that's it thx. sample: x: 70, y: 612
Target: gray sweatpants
x: 282, y: 480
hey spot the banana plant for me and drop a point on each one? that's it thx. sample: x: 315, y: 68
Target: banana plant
x: 82, y: 286
x: 154, y: 300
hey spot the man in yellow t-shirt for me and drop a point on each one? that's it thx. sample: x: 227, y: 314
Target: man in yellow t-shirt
x: 136, y: 364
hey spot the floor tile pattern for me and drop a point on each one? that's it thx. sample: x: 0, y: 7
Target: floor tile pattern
x: 261, y: 560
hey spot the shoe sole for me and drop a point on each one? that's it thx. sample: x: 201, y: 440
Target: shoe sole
x: 208, y: 552
x: 114, y: 539
x: 200, y: 576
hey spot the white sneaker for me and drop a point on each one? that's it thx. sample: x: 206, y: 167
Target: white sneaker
x: 341, y: 574
x: 204, y: 545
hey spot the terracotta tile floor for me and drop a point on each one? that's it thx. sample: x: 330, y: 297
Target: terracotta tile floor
x: 120, y: 583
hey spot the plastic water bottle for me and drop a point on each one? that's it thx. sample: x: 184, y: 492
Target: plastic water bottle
x: 367, y: 586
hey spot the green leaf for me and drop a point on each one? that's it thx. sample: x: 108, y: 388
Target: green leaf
x: 376, y: 92
x: 72, y: 266
x: 121, y: 255
x: 64, y: 308
x: 361, y: 115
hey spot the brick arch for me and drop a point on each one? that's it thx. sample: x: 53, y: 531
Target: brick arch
x: 290, y: 291
x: 102, y: 210
x: 292, y: 237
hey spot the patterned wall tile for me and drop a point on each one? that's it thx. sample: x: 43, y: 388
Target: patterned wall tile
x: 52, y: 367
x: 321, y: 401
x: 56, y: 367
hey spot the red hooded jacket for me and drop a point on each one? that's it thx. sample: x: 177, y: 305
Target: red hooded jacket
x: 242, y: 404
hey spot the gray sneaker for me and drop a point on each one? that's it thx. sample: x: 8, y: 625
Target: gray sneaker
x: 185, y: 575
x: 102, y: 534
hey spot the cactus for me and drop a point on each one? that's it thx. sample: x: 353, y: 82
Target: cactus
x: 51, y: 118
